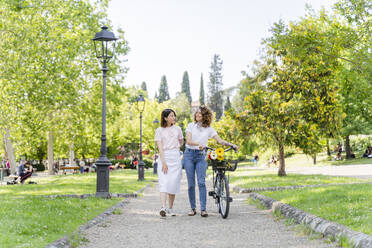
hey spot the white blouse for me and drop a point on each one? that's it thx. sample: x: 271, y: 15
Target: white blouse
x: 169, y: 136
x: 200, y: 134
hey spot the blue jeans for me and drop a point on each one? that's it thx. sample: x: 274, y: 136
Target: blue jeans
x: 194, y: 161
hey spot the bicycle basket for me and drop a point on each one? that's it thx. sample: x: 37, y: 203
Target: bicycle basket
x: 224, y: 165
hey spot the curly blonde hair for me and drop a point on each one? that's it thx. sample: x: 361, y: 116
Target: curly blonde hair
x: 206, y: 116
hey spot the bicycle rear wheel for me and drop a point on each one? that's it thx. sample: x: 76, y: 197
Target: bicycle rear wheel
x: 224, y: 196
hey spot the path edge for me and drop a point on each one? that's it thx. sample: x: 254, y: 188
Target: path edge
x: 65, y: 241
x: 317, y: 224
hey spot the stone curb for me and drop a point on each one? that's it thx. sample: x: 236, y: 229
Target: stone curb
x: 327, y: 228
x: 278, y: 188
x: 83, y: 196
x: 65, y: 241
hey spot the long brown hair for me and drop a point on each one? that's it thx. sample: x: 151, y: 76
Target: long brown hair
x: 206, y: 116
x: 165, y: 114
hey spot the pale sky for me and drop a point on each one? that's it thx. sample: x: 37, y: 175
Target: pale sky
x: 168, y: 37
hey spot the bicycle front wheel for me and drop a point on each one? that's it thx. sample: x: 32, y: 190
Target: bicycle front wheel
x: 224, y: 196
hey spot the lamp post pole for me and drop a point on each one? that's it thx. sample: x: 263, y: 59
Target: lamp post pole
x: 103, y: 163
x: 101, y: 40
x: 141, y: 165
x: 155, y: 171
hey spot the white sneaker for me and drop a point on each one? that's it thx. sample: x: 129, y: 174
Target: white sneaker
x: 171, y: 212
x: 163, y: 212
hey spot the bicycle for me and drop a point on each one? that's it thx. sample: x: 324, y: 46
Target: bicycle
x: 221, y: 193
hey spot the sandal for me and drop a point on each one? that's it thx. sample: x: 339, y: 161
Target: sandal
x: 193, y: 212
x: 204, y: 214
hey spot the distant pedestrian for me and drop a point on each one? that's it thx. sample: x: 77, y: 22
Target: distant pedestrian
x: 25, y: 170
x: 81, y: 166
x: 7, y: 166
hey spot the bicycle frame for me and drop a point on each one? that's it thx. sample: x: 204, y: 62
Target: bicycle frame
x: 220, y: 191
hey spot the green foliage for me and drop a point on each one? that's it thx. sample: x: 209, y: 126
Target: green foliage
x: 185, y: 86
x: 215, y: 84
x: 360, y: 143
x: 54, y: 74
x: 39, y: 167
x: 181, y: 106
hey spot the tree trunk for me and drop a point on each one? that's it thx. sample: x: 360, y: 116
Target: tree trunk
x: 4, y: 145
x: 72, y: 154
x: 281, y: 171
x: 314, y: 159
x: 50, y: 153
x: 347, y: 147
x: 9, y: 151
x: 328, y: 149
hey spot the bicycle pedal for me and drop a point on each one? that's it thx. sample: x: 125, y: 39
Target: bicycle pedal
x: 230, y: 199
x: 211, y: 193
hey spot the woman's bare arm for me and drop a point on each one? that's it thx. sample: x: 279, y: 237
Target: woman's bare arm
x: 190, y: 142
x: 162, y: 159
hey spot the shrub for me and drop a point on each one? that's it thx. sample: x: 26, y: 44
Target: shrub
x: 39, y: 167
x: 148, y: 163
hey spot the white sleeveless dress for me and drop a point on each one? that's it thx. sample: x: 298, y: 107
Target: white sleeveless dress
x: 170, y: 182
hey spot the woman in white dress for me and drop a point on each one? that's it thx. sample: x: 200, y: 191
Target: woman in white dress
x: 169, y: 139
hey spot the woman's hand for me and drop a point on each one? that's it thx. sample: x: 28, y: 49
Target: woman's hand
x: 235, y: 147
x: 164, y: 168
x: 201, y: 147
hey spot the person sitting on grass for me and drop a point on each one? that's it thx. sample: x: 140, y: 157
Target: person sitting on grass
x: 25, y: 171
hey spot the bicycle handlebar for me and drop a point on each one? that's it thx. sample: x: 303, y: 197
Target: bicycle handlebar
x: 228, y: 149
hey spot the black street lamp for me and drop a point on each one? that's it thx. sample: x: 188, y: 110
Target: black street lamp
x: 156, y: 122
x: 104, y: 46
x: 140, y: 101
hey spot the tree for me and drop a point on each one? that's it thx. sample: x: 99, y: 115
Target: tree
x: 52, y: 74
x: 215, y: 84
x: 143, y: 86
x: 201, y: 94
x: 354, y: 31
x: 163, y: 90
x: 299, y: 105
x: 181, y: 106
x: 185, y: 86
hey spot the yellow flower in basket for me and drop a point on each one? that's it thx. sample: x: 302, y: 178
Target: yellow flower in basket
x: 220, y: 157
x: 220, y: 151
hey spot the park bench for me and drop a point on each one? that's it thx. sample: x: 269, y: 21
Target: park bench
x: 66, y: 168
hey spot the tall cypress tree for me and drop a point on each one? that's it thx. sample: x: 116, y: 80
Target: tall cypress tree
x: 143, y: 86
x: 215, y: 86
x: 201, y: 95
x: 185, y: 86
x: 227, y: 104
x: 163, y: 90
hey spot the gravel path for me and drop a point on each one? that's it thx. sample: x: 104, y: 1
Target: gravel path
x: 141, y: 226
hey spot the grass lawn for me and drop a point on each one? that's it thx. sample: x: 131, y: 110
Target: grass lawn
x: 349, y: 205
x: 28, y: 220
x: 121, y: 181
x: 264, y: 179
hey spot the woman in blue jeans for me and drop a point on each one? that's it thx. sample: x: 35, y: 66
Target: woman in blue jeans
x: 197, y: 135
